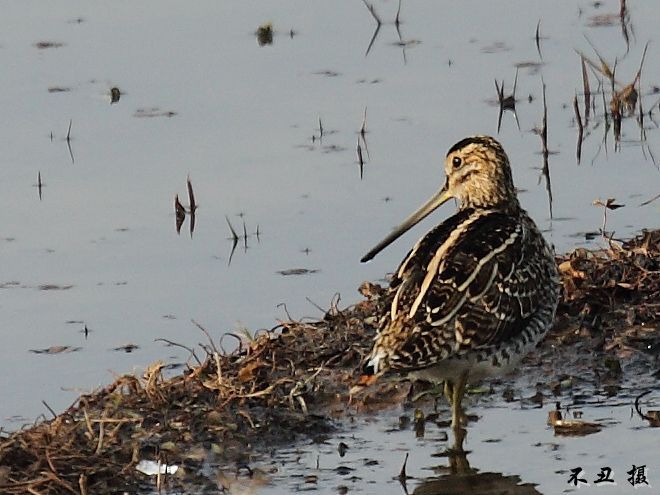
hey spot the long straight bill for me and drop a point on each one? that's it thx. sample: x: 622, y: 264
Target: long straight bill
x: 436, y: 200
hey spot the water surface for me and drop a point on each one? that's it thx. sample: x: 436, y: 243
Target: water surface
x: 201, y: 98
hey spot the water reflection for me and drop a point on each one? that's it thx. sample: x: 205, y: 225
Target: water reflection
x: 475, y: 483
x: 463, y: 479
x: 506, y: 102
x: 180, y: 211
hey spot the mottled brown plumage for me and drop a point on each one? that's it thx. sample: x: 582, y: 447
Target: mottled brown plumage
x: 477, y: 292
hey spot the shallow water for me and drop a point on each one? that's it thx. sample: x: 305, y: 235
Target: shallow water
x: 201, y: 98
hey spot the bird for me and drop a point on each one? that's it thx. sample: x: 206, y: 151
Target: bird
x: 474, y: 295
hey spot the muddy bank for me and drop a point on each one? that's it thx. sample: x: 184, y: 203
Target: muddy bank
x: 292, y: 382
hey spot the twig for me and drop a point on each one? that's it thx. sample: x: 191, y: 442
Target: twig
x: 208, y: 336
x: 286, y: 311
x: 650, y: 200
x: 323, y: 311
x: 49, y: 408
x: 189, y: 349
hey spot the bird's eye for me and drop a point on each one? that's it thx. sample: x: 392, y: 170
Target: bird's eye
x: 456, y: 162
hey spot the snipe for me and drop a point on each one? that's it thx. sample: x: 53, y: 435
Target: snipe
x: 478, y: 291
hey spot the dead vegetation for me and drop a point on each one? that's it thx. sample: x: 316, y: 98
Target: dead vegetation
x: 290, y: 382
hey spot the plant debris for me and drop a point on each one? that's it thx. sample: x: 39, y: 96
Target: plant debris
x: 571, y: 427
x: 290, y: 382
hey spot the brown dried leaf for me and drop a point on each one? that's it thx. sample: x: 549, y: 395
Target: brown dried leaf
x: 247, y: 372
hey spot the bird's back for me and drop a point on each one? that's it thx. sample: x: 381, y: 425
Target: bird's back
x: 480, y: 284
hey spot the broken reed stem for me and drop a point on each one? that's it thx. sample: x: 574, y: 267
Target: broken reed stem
x: 234, y: 235
x: 82, y: 484
x: 208, y: 336
x: 373, y: 12
x: 360, y: 159
x: 191, y: 196
x: 363, y: 128
x: 402, y: 474
x: 578, y: 120
x: 176, y: 344
x: 89, y: 424
x: 49, y: 408
x: 587, y: 90
x: 99, y: 445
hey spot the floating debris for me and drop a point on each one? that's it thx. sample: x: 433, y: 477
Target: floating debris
x: 58, y: 89
x: 153, y: 112
x: 496, y: 47
x: 128, y: 348
x: 115, y: 95
x: 43, y: 45
x: 327, y: 73
x: 297, y: 271
x: 153, y: 468
x: 54, y: 287
x: 572, y: 427
x: 264, y: 34
x: 56, y: 349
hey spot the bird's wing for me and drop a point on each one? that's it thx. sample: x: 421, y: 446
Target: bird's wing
x: 471, y: 288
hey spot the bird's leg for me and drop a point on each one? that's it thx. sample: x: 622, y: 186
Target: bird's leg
x: 457, y: 397
x: 449, y: 391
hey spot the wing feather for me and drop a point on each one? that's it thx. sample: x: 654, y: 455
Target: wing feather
x: 481, y: 289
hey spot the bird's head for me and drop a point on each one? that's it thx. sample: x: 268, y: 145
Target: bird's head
x: 478, y: 175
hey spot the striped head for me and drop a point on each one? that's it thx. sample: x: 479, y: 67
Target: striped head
x: 478, y: 174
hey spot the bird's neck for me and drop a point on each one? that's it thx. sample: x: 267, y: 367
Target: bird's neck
x: 508, y: 205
